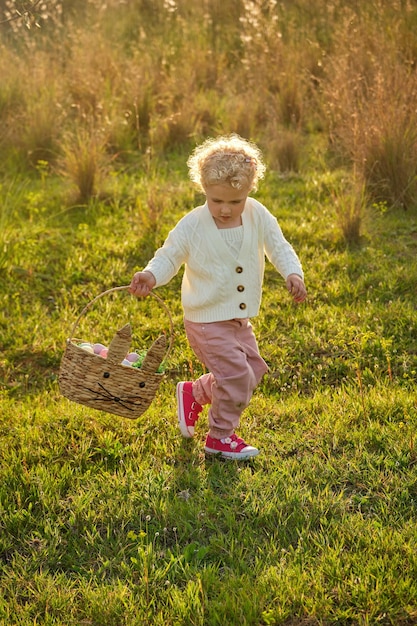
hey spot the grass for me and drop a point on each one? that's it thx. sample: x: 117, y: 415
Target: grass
x: 97, y: 84
x: 109, y: 521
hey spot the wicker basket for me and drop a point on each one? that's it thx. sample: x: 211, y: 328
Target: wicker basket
x: 106, y: 384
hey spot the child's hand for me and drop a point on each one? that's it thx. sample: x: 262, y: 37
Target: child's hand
x: 142, y: 284
x: 296, y: 287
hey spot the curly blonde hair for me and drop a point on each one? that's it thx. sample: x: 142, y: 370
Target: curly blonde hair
x: 226, y: 159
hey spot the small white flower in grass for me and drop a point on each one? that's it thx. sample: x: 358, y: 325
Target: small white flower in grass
x: 185, y: 494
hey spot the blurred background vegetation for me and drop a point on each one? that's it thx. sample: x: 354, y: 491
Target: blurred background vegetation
x: 87, y: 86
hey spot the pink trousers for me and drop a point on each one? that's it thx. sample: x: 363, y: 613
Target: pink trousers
x: 230, y: 352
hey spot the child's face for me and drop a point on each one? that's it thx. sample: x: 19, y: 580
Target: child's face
x: 226, y: 204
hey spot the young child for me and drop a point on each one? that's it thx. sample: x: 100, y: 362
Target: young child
x: 223, y: 245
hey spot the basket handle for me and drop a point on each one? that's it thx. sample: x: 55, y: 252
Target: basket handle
x: 124, y: 288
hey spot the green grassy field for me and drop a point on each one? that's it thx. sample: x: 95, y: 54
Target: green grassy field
x: 106, y: 521
x: 109, y: 521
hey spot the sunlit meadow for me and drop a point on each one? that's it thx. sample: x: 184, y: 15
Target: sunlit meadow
x: 109, y: 521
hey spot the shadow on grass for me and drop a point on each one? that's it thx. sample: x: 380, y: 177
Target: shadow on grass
x: 28, y: 371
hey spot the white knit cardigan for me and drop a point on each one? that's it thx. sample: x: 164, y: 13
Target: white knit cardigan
x: 216, y: 286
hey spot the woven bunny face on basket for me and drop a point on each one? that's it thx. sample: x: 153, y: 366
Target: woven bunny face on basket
x: 108, y: 385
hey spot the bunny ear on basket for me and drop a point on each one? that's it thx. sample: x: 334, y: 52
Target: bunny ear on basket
x: 107, y: 384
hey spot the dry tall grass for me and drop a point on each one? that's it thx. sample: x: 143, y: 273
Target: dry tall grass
x: 370, y: 96
x: 84, y: 161
x: 161, y: 75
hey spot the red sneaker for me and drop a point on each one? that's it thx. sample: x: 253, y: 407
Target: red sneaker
x: 188, y: 409
x: 232, y: 447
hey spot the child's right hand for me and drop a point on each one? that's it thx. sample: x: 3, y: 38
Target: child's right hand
x: 142, y: 284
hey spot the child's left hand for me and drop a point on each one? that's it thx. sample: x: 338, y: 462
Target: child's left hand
x: 296, y: 287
